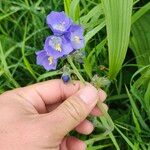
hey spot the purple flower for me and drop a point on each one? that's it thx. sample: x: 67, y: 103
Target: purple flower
x: 67, y: 38
x: 65, y: 78
x: 57, y: 46
x: 58, y: 22
x: 75, y: 35
x: 48, y: 62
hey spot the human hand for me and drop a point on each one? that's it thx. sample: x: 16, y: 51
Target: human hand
x: 39, y: 117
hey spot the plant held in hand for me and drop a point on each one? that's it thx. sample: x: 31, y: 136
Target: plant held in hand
x: 66, y: 42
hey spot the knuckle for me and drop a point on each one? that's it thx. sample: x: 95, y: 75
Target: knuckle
x: 75, y: 109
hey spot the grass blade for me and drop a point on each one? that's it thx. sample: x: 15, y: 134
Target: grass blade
x: 125, y: 138
x: 140, y: 12
x: 67, y: 6
x: 140, y: 41
x: 91, y: 33
x: 118, y: 24
x: 136, y: 111
x: 74, y: 10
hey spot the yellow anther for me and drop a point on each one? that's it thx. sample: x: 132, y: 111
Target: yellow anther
x: 50, y: 59
x: 58, y: 47
x: 77, y: 39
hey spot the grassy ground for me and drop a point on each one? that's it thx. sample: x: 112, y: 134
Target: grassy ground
x: 110, y: 52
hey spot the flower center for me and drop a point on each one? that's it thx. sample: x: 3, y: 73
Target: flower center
x: 77, y: 39
x: 58, y: 47
x: 55, y: 43
x: 50, y: 59
x: 60, y: 26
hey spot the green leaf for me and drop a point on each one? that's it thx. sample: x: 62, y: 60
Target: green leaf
x: 25, y: 60
x: 125, y: 138
x: 4, y: 68
x: 147, y: 96
x: 8, y: 14
x: 140, y: 40
x: 136, y: 111
x: 140, y: 12
x: 67, y: 6
x: 136, y: 122
x: 91, y: 33
x: 49, y: 74
x: 118, y: 24
x: 74, y: 10
x: 96, y: 10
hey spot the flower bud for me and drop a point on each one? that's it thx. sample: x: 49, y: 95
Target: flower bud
x: 65, y: 78
x: 66, y: 74
x: 100, y: 82
x: 79, y: 56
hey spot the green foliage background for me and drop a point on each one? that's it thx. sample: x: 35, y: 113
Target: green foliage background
x: 117, y: 34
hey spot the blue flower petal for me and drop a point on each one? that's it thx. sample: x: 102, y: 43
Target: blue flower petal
x: 48, y: 62
x: 58, y: 22
x: 57, y: 46
x: 53, y: 46
x: 75, y: 35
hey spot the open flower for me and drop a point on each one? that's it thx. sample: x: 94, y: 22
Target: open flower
x: 75, y: 35
x: 57, y: 46
x: 48, y: 62
x: 67, y: 37
x: 58, y: 22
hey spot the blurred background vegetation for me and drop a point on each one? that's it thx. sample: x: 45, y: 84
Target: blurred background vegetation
x: 117, y: 35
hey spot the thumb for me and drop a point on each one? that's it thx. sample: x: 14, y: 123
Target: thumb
x: 74, y: 110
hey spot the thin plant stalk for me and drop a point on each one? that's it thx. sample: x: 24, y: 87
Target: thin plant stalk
x: 106, y: 120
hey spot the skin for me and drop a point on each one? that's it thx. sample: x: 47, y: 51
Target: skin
x: 40, y: 116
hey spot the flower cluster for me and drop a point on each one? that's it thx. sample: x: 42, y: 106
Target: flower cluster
x: 67, y: 37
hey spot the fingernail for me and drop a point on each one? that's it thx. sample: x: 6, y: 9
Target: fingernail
x: 88, y: 94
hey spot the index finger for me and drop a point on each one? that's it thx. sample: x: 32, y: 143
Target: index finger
x: 48, y: 92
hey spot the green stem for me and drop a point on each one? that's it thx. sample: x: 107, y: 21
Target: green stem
x: 75, y: 69
x: 106, y: 119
